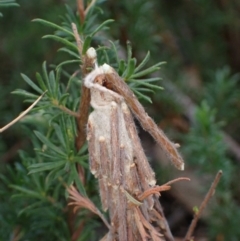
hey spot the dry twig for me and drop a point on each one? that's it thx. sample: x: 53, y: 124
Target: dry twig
x: 88, y: 62
x: 82, y: 202
x: 80, y: 6
x: 118, y: 160
x: 22, y: 114
x: 202, y: 206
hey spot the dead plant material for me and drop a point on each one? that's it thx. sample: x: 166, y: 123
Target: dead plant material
x: 22, y: 114
x: 202, y: 206
x: 126, y: 180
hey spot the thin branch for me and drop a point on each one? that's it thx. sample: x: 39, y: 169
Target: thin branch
x: 77, y: 38
x: 82, y: 113
x: 177, y: 180
x: 68, y: 111
x: 78, y: 201
x: 80, y: 5
x: 88, y: 63
x: 202, y: 206
x: 158, y: 189
x: 22, y: 114
x: 82, y: 116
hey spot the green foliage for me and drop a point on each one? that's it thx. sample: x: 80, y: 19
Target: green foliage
x: 36, y: 207
x: 7, y: 3
x: 44, y: 175
x: 222, y: 93
x: 187, y: 34
x: 206, y: 151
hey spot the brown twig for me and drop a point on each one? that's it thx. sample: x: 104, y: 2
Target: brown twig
x: 79, y: 201
x: 80, y: 5
x: 158, y: 189
x: 16, y: 236
x: 68, y: 111
x: 85, y: 92
x: 82, y: 117
x: 22, y: 114
x: 82, y: 113
x: 77, y: 38
x: 202, y: 206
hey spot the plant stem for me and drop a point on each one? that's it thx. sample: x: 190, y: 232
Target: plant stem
x: 202, y: 206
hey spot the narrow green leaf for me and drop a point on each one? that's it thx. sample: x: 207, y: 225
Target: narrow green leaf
x: 32, y: 206
x: 40, y: 167
x: 51, y: 174
x: 101, y: 26
x: 58, y: 77
x: 83, y: 149
x: 29, y: 82
x: 7, y: 1
x: 129, y: 51
x: 61, y: 40
x: 121, y: 67
x: 60, y: 136
x: 147, y: 80
x: 63, y: 126
x: 144, y: 90
x: 5, y: 5
x: 52, y: 83
x: 70, y: 14
x: 143, y: 63
x: 41, y: 82
x: 130, y: 68
x: 82, y: 163
x: 86, y: 44
x: 69, y: 52
x: 47, y: 106
x: 149, y: 70
x: 26, y: 191
x: 105, y: 54
x: 140, y: 82
x: 140, y: 95
x: 50, y: 145
x: 24, y: 93
x: 53, y: 25
x: 78, y: 181
x: 68, y: 62
x: 45, y: 75
x: 48, y: 156
x: 63, y: 99
x: 115, y: 51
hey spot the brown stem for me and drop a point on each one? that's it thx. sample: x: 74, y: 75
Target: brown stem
x: 202, y: 206
x: 80, y: 6
x: 82, y: 113
x: 85, y: 92
x: 77, y: 38
x: 82, y: 117
x: 66, y: 110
